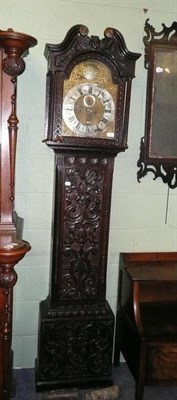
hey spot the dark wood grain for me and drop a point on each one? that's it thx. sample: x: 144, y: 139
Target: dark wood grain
x: 76, y: 323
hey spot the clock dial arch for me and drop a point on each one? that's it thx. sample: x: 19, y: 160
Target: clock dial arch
x: 81, y: 58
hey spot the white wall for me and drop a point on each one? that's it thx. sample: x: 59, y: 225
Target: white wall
x: 138, y: 209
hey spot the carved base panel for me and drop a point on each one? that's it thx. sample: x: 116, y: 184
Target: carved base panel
x: 74, y: 349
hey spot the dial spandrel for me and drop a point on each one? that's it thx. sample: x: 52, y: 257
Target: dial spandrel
x: 89, y: 101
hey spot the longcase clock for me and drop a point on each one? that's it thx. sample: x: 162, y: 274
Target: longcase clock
x: 87, y: 111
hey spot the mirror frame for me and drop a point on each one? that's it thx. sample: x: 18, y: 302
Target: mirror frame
x: 158, y: 148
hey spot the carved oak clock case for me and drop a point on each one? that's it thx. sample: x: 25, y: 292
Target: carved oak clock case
x: 87, y: 109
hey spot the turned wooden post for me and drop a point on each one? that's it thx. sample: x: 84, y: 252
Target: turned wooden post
x: 13, y: 46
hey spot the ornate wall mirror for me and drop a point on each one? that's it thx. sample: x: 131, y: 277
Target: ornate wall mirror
x: 158, y: 149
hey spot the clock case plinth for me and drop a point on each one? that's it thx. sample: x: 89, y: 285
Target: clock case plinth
x: 76, y: 323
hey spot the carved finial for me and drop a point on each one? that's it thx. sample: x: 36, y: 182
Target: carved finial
x: 84, y: 30
x: 13, y: 65
x: 108, y: 33
x: 8, y: 277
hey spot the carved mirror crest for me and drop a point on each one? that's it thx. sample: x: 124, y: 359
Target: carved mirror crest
x: 158, y: 149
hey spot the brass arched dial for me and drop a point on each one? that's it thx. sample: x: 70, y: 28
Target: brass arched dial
x: 88, y: 109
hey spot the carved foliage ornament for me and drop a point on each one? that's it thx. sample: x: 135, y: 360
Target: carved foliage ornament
x: 71, y: 353
x: 77, y: 41
x: 158, y: 149
x: 82, y: 222
x: 83, y: 268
